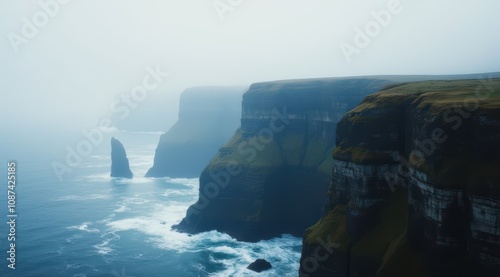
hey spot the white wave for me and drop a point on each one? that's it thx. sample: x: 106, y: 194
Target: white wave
x: 95, y: 177
x: 282, y: 252
x: 93, y: 165
x: 74, y: 237
x: 102, y: 248
x: 102, y: 177
x: 157, y: 226
x: 278, y: 251
x: 226, y: 250
x: 84, y: 227
x: 83, y: 197
x: 135, y: 200
x: 121, y: 209
x: 105, y: 248
x: 183, y: 181
x: 174, y: 192
x: 126, y: 202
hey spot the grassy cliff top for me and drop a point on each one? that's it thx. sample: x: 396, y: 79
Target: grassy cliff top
x: 436, y: 95
x: 311, y: 94
x: 274, y: 85
x: 452, y: 163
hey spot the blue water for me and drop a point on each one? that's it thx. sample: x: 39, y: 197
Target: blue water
x: 89, y: 224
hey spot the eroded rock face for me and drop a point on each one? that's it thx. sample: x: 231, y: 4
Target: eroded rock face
x: 119, y: 162
x: 271, y: 177
x: 208, y: 117
x: 415, y: 185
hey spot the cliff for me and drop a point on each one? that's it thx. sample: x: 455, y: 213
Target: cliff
x: 415, y: 185
x: 119, y: 162
x: 208, y: 117
x: 272, y: 175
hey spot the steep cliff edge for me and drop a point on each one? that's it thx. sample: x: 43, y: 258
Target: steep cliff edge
x: 271, y: 177
x: 119, y: 162
x: 208, y: 117
x: 415, y: 187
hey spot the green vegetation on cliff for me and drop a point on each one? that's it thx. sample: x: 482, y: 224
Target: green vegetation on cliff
x: 332, y: 229
x: 361, y: 155
x: 280, y: 159
x: 441, y: 140
x: 435, y: 95
x: 458, y: 111
x: 392, y: 222
x: 287, y: 149
x: 384, y: 244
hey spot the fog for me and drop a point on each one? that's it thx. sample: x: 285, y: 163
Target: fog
x: 70, y: 70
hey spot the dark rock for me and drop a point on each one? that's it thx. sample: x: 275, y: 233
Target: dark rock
x: 208, y: 117
x: 260, y: 265
x: 415, y: 185
x: 271, y: 177
x: 119, y: 162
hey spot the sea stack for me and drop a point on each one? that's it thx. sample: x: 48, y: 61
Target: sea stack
x: 119, y: 162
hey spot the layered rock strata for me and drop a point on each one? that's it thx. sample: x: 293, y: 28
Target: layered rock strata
x: 415, y: 187
x: 271, y: 177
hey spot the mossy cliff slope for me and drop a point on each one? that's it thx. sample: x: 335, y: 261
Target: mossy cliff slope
x: 415, y: 187
x: 208, y: 117
x: 271, y: 177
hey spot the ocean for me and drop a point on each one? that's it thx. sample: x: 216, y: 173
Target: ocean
x: 89, y: 224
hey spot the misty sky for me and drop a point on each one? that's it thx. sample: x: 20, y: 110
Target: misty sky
x: 90, y: 51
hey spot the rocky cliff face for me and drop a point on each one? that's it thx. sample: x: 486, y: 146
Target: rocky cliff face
x: 208, y: 117
x: 415, y: 187
x: 271, y: 177
x: 119, y: 162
